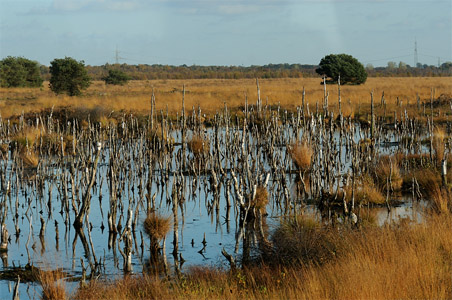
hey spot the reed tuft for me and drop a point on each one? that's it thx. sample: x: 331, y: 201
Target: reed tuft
x: 53, y: 286
x: 198, y: 145
x: 301, y: 155
x: 156, y: 226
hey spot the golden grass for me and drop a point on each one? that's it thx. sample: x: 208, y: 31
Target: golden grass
x: 301, y: 155
x: 383, y: 172
x: 401, y: 261
x: 261, y: 198
x: 53, y: 286
x: 156, y: 226
x: 369, y: 193
x: 198, y: 145
x: 29, y: 158
x: 211, y: 93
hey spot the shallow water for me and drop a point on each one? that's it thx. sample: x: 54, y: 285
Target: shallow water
x: 61, y: 247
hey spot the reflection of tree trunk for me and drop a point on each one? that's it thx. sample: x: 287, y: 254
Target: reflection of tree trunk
x: 86, y: 201
x: 81, y: 234
x: 4, y: 256
x: 154, y: 248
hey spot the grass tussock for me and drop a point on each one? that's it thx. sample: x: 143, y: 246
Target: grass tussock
x: 400, y: 261
x: 367, y: 193
x: 301, y: 155
x: 53, y: 286
x: 259, y: 201
x: 198, y: 145
x: 156, y: 226
x: 303, y: 240
x: 261, y: 198
x: 388, y: 167
x: 29, y: 158
x: 26, y: 138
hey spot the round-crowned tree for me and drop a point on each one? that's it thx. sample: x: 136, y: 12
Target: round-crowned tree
x: 68, y: 76
x: 19, y: 72
x: 346, y: 66
x: 116, y: 77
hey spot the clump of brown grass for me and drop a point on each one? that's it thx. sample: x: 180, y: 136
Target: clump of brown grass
x: 303, y: 240
x: 301, y: 155
x: 128, y: 287
x: 29, y: 158
x: 4, y: 148
x: 198, y: 145
x: 156, y: 226
x: 368, y: 192
x: 387, y: 167
x: 53, y: 286
x: 440, y: 198
x: 260, y: 200
x: 26, y: 138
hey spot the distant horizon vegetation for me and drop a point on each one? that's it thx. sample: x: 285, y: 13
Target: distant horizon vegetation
x: 281, y: 70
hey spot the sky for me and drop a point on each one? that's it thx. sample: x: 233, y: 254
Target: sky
x: 226, y: 32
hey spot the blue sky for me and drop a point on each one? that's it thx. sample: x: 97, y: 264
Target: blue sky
x: 226, y: 32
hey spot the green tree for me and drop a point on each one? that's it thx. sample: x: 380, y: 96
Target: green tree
x: 68, y: 76
x: 116, y: 77
x: 346, y: 66
x: 19, y: 72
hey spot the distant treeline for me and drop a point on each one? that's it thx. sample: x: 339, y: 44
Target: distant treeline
x: 149, y: 72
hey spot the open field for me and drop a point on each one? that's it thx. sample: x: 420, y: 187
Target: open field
x: 212, y: 94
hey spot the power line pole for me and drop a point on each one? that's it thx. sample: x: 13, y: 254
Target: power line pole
x: 117, y: 55
x: 415, y: 53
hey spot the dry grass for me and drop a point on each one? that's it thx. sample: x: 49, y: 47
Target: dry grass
x: 301, y: 155
x: 156, y: 226
x: 385, y: 168
x: 261, y: 198
x: 198, y: 145
x: 53, y: 286
x: 29, y: 158
x: 369, y: 193
x: 136, y: 95
x: 402, y: 261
